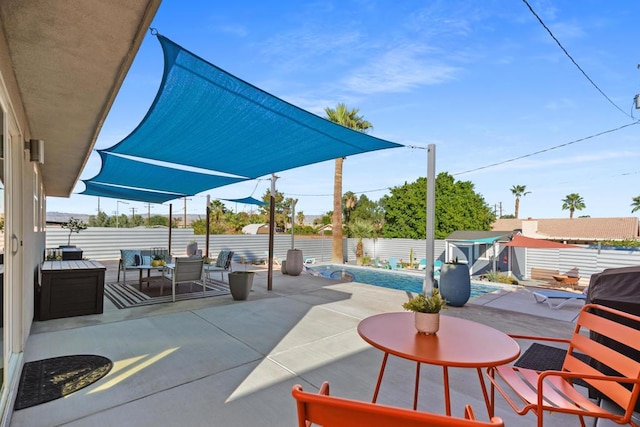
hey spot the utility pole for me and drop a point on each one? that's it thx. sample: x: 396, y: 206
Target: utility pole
x: 118, y: 210
x: 148, y: 214
x: 184, y: 225
x: 184, y: 222
x: 133, y: 215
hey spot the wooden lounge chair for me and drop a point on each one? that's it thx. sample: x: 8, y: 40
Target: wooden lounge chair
x: 328, y: 411
x: 563, y: 296
x: 597, y: 328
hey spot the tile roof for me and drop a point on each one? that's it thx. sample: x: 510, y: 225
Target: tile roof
x: 576, y: 228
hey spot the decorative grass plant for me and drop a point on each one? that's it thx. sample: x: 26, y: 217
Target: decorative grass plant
x: 426, y: 304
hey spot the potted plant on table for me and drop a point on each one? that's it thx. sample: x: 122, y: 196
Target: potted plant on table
x: 158, y: 260
x: 427, y: 311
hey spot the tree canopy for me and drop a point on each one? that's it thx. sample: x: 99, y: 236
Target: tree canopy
x: 458, y: 207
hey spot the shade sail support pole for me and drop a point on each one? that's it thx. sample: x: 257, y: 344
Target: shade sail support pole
x: 207, y: 227
x: 427, y: 285
x: 170, y: 220
x: 272, y: 221
x: 293, y: 216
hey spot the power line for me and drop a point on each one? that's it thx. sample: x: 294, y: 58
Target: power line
x: 573, y: 60
x: 586, y: 138
x: 548, y: 149
x: 331, y: 194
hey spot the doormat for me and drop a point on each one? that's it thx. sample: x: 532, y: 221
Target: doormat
x: 128, y: 295
x: 49, y: 379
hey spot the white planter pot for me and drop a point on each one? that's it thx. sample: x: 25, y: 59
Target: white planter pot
x: 427, y: 323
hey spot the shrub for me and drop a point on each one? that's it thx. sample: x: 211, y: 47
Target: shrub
x: 496, y: 276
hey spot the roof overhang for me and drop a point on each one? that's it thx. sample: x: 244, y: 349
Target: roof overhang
x: 69, y: 60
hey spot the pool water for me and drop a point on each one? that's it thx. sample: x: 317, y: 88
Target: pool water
x: 388, y: 279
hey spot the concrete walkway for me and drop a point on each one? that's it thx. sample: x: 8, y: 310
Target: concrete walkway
x: 218, y: 362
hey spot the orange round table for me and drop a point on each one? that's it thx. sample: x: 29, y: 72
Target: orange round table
x: 459, y: 343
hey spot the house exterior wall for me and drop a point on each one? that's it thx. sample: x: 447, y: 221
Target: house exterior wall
x: 23, y: 237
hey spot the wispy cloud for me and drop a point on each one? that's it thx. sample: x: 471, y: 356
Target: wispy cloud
x: 235, y: 29
x: 560, y: 104
x: 398, y: 70
x: 295, y: 49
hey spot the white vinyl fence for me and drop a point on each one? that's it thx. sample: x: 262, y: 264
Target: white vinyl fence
x: 105, y: 244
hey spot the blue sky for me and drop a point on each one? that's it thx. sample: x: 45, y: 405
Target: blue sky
x: 483, y: 81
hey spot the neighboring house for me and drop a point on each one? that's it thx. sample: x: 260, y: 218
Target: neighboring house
x: 255, y: 229
x: 61, y: 66
x: 325, y: 229
x: 478, y: 249
x: 573, y: 230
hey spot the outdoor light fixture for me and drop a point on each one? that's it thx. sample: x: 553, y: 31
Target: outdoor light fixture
x: 36, y: 150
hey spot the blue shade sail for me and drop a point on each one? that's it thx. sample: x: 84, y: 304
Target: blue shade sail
x: 248, y: 201
x: 122, y: 171
x: 105, y: 190
x: 205, y: 117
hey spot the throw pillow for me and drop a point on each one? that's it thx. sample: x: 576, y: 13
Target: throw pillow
x: 128, y: 256
x: 222, y: 259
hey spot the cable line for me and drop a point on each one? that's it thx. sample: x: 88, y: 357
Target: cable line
x: 548, y: 149
x: 574, y: 62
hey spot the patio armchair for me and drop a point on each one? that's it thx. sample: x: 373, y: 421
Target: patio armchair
x: 186, y: 270
x: 222, y: 265
x: 609, y: 372
x: 328, y: 411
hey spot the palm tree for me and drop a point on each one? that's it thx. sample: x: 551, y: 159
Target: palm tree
x: 349, y: 201
x: 300, y: 218
x: 217, y: 210
x: 347, y: 118
x: 573, y: 202
x: 519, y: 191
x: 636, y: 204
x: 361, y: 228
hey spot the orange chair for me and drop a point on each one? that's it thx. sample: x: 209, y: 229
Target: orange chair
x: 329, y: 411
x: 554, y: 391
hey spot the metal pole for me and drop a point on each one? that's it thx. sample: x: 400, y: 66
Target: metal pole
x: 118, y: 210
x: 170, y: 221
x: 207, y: 227
x: 184, y: 224
x: 272, y: 212
x: 293, y: 216
x: 427, y: 286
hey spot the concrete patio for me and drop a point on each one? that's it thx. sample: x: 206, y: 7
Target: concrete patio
x: 218, y: 362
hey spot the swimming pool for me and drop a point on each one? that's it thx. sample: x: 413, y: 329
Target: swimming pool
x: 388, y: 279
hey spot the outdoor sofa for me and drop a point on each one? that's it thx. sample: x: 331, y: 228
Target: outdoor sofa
x: 131, y: 258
